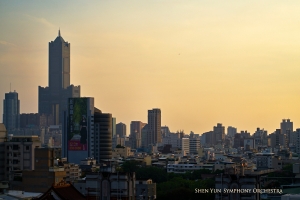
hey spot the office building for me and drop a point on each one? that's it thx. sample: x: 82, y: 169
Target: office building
x: 3, y: 137
x: 185, y: 146
x: 154, y: 126
x: 145, y: 189
x: 53, y: 100
x: 172, y: 139
x: 260, y: 138
x: 78, y: 129
x: 165, y: 131
x: 278, y: 139
x: 45, y: 172
x: 11, y: 111
x: 29, y: 120
x: 286, y: 127
x: 136, y: 134
x: 297, y: 140
x: 114, y: 127
x: 102, y: 145
x: 231, y: 131
x: 219, y: 132
x: 19, y: 155
x: 195, y: 144
x: 121, y: 129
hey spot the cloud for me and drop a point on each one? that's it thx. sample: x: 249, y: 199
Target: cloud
x: 6, y: 43
x: 40, y: 20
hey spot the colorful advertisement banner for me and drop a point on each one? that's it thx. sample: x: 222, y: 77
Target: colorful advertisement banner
x: 78, y: 124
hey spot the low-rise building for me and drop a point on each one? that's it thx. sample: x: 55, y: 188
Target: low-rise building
x: 19, y: 155
x: 123, y: 152
x: 105, y: 185
x: 145, y: 189
x: 183, y: 168
x: 45, y: 173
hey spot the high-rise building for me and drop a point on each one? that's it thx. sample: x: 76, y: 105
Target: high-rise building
x: 11, y: 111
x: 53, y: 100
x: 154, y: 126
x: 185, y: 146
x: 121, y: 129
x: 3, y: 138
x: 219, y: 132
x: 102, y: 145
x: 260, y: 138
x: 231, y: 131
x: 195, y: 143
x: 78, y: 130
x: 87, y: 132
x: 136, y: 134
x: 278, y: 139
x: 286, y: 127
x: 113, y: 126
x: 297, y: 140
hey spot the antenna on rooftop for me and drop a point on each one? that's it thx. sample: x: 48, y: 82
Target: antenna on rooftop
x: 9, y: 87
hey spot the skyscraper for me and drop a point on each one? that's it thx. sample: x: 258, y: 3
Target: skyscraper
x: 219, y: 133
x: 11, y: 111
x: 121, y: 129
x: 78, y: 129
x: 154, y: 126
x: 286, y: 127
x: 53, y: 100
x: 136, y: 134
x: 102, y: 145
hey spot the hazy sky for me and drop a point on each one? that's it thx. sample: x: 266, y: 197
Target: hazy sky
x: 200, y: 62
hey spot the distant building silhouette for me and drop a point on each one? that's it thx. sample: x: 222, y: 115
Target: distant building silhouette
x: 219, y: 133
x: 231, y: 131
x: 136, y: 134
x: 121, y: 129
x: 153, y: 127
x: 102, y: 146
x: 53, y: 100
x: 11, y: 111
x: 286, y: 127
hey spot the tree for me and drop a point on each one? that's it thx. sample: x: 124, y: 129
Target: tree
x: 130, y: 166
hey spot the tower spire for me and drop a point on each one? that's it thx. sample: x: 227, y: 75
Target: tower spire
x: 59, y: 32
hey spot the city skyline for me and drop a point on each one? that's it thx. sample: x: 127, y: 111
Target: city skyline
x: 201, y: 63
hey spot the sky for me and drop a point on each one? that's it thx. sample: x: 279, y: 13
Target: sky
x: 201, y: 62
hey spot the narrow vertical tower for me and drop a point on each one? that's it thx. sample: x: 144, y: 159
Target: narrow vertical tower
x: 53, y: 100
x: 59, y: 64
x: 11, y: 111
x: 154, y: 126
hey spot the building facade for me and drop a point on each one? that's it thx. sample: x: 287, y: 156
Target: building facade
x: 102, y: 145
x: 53, y: 100
x: 11, y: 111
x: 154, y: 126
x: 136, y: 134
x: 19, y: 155
x: 121, y: 129
x: 78, y: 129
x: 3, y: 137
x: 219, y: 132
x: 45, y: 173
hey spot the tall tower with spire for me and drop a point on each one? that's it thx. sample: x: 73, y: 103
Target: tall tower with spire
x: 53, y: 99
x: 59, y: 64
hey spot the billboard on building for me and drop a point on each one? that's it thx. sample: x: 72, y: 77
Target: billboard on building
x: 78, y: 124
